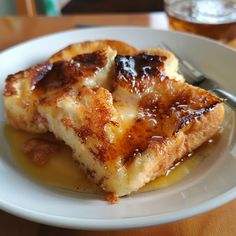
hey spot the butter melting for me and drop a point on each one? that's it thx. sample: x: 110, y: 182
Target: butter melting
x: 63, y: 172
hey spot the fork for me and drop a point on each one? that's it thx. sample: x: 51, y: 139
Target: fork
x: 200, y: 80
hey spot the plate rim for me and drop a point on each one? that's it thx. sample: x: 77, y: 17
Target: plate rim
x: 116, y: 224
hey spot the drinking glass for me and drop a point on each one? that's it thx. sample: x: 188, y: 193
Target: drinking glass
x: 211, y: 18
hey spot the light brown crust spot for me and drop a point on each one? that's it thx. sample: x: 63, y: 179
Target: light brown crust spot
x: 9, y: 89
x: 112, y: 198
x: 84, y: 132
x: 97, y: 110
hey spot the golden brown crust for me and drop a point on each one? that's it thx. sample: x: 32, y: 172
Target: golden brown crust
x: 73, y: 50
x: 122, y: 48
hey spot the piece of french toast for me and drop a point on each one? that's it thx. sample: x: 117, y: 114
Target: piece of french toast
x: 21, y: 102
x: 128, y: 117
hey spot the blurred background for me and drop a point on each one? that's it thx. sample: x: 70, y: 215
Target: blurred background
x: 66, y: 7
x: 210, y: 18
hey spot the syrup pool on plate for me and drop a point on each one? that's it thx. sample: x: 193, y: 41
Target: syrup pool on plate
x: 61, y: 171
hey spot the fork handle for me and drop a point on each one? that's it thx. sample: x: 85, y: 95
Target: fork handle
x: 230, y: 98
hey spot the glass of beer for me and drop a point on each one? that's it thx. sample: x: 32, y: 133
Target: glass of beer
x: 211, y: 18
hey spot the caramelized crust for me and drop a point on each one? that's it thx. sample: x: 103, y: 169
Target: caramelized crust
x: 136, y: 73
x: 91, y: 62
x: 67, y: 73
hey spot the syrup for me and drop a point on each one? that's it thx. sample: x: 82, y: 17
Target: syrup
x: 61, y: 171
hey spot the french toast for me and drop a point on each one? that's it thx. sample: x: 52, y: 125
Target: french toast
x: 127, y: 114
x: 20, y: 100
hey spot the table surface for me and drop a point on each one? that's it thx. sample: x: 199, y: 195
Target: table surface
x: 220, y: 221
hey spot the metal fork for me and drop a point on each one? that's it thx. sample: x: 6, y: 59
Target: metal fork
x: 200, y: 80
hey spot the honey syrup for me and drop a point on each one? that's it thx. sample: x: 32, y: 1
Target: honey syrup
x: 61, y: 171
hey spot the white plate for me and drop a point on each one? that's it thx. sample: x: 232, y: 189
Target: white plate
x: 209, y: 185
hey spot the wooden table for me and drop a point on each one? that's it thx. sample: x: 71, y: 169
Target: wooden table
x: 218, y: 222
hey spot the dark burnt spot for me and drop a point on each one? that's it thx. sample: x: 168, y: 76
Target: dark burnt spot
x: 63, y: 73
x: 91, y: 62
x: 58, y: 75
x: 39, y: 73
x: 136, y: 72
x: 141, y: 65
